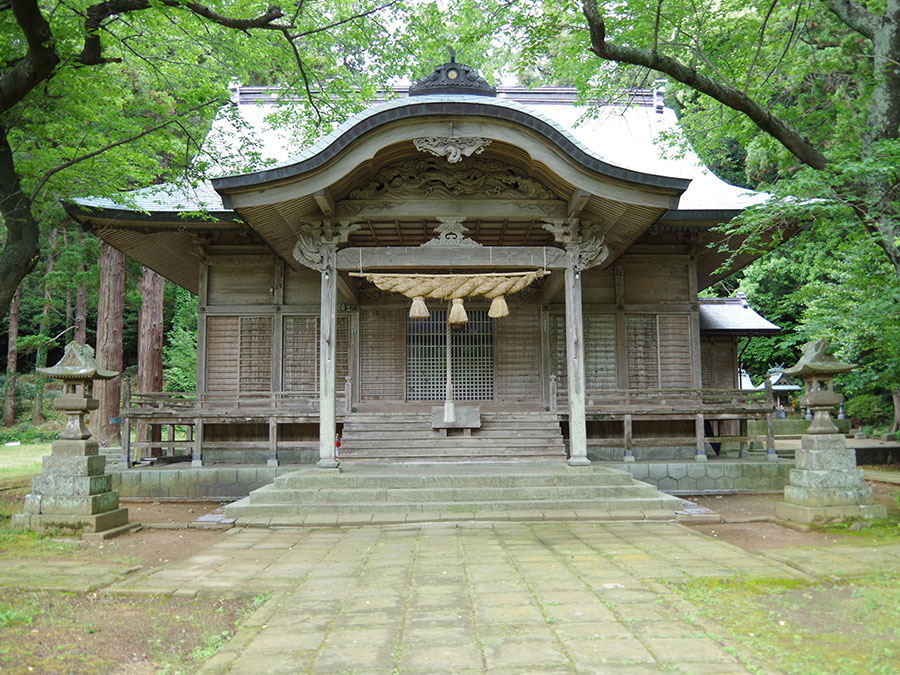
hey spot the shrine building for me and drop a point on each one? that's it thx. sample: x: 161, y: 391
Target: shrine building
x: 457, y: 274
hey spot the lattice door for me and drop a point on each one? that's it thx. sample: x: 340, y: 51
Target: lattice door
x: 472, y: 354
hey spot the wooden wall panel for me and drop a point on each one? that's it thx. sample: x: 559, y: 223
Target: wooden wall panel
x: 674, y: 351
x: 517, y: 355
x: 256, y: 353
x: 301, y: 352
x: 241, y: 284
x: 301, y: 287
x: 301, y: 348
x: 597, y: 286
x: 599, y: 351
x: 558, y: 351
x: 658, y: 281
x: 641, y: 351
x: 382, y: 350
x: 718, y: 363
x: 222, y: 353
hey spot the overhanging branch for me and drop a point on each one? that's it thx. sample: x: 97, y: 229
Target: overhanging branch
x: 727, y: 95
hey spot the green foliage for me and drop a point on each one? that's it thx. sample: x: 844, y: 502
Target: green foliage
x: 180, y: 351
x: 868, y: 409
x: 11, y: 616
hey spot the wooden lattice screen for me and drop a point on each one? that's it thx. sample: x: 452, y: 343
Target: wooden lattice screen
x: 472, y: 356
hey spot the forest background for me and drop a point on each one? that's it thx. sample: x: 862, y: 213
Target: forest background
x: 800, y: 99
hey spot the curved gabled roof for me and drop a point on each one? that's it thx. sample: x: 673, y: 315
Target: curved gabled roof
x: 442, y: 106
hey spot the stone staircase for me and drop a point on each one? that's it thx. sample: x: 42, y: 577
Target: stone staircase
x: 380, y: 495
x: 409, y: 437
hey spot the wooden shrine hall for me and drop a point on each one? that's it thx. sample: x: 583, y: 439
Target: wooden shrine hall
x: 454, y: 274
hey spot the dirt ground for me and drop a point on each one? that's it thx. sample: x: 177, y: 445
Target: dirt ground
x: 758, y: 534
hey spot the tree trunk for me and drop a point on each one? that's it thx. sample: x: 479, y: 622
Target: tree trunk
x: 40, y: 361
x: 21, y: 249
x: 109, y: 341
x: 12, y: 357
x: 896, y: 425
x: 80, y: 313
x: 150, y: 339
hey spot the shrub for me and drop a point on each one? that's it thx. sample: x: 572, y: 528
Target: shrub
x: 869, y: 409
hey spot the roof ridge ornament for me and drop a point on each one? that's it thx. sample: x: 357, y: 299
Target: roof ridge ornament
x: 452, y: 77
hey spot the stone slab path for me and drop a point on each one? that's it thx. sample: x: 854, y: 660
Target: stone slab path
x: 466, y: 598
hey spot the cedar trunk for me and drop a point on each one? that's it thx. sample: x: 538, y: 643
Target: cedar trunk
x: 12, y: 357
x: 896, y: 425
x: 109, y: 341
x: 80, y: 313
x: 150, y: 338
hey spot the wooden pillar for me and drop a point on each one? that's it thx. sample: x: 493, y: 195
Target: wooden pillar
x: 701, y: 438
x: 771, y: 455
x: 629, y: 438
x: 197, y: 456
x: 273, y: 442
x: 575, y: 367
x: 327, y: 353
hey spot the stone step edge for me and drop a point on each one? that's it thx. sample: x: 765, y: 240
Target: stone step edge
x: 404, y: 518
x: 238, y: 510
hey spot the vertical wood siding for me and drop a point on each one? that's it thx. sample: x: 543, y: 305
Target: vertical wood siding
x: 718, y: 364
x: 599, y: 351
x: 222, y: 353
x: 658, y: 281
x: 658, y: 349
x: 301, y: 352
x: 382, y: 353
x: 517, y: 355
x: 239, y: 353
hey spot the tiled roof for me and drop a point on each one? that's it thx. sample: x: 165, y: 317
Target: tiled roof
x: 732, y: 316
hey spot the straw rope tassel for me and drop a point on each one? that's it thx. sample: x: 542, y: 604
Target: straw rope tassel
x: 418, y: 310
x: 458, y: 312
x: 499, y: 308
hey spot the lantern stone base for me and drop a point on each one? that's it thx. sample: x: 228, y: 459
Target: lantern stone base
x: 827, y: 485
x: 824, y: 514
x: 72, y: 493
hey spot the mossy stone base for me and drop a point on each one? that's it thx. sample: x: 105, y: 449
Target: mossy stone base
x: 62, y: 523
x: 824, y: 514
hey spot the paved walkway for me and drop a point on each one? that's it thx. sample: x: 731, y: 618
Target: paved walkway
x: 467, y: 598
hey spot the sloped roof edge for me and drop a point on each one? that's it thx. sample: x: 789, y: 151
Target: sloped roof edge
x: 444, y: 105
x: 732, y: 316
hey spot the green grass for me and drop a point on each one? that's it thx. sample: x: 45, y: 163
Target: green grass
x: 19, y: 463
x: 806, y: 628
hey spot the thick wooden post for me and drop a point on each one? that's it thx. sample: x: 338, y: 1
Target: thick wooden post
x: 700, y: 433
x: 771, y: 455
x: 629, y: 438
x: 575, y: 367
x: 327, y: 352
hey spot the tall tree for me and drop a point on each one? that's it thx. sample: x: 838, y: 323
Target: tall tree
x: 137, y: 83
x: 818, y: 78
x: 109, y: 341
x: 150, y: 343
x: 12, y: 358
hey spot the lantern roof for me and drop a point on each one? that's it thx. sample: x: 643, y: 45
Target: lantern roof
x: 78, y: 363
x: 815, y: 362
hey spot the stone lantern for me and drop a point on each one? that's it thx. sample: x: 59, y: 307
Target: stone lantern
x: 826, y: 484
x: 72, y: 492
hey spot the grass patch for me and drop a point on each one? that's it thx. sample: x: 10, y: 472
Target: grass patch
x: 806, y: 628
x: 98, y: 633
x: 19, y: 463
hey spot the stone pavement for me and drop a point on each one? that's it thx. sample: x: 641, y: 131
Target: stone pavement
x: 466, y: 598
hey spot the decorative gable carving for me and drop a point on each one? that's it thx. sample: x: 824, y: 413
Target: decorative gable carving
x: 432, y: 177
